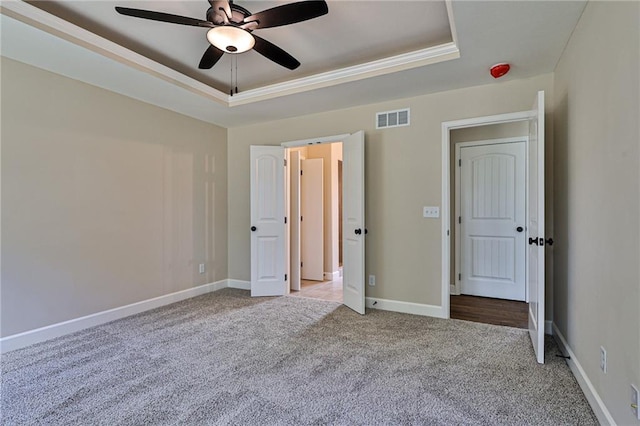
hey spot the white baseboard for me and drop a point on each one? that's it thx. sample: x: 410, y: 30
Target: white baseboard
x: 405, y: 307
x: 597, y: 405
x: 548, y: 328
x: 239, y: 284
x: 52, y: 331
x: 330, y: 276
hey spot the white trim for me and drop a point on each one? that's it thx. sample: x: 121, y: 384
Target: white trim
x: 315, y: 141
x: 51, y: 24
x: 598, y: 406
x: 405, y: 307
x: 332, y: 276
x: 52, y: 331
x: 57, y: 27
x: 239, y: 284
x: 445, y: 206
x: 489, y: 120
x: 392, y: 64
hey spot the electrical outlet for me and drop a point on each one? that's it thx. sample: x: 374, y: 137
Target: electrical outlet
x: 635, y: 400
x: 430, y: 211
x: 201, y: 268
x: 372, y: 280
x: 603, y: 359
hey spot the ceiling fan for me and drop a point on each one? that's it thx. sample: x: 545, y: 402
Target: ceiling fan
x: 231, y: 27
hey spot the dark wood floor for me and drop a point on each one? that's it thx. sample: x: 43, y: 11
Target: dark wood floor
x: 490, y: 311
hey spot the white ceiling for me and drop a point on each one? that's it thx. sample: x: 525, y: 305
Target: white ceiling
x: 361, y: 52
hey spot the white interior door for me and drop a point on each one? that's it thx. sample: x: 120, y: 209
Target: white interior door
x: 312, y: 229
x: 294, y: 219
x: 268, y: 243
x: 535, y: 228
x: 353, y: 222
x: 492, y: 220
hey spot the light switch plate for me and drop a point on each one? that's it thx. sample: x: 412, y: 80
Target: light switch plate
x: 431, y: 211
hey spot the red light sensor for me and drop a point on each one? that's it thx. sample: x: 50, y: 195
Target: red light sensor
x: 498, y: 70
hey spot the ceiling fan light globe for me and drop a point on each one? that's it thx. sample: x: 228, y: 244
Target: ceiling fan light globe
x: 230, y: 39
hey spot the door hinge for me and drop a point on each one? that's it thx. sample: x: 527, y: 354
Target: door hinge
x: 285, y: 277
x: 459, y: 162
x: 301, y: 218
x: 459, y: 277
x: 285, y: 162
x: 447, y: 232
x: 301, y: 264
x: 300, y: 172
x: 285, y: 219
x: 459, y: 219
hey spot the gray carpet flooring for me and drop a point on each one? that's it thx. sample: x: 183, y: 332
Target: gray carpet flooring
x: 225, y: 358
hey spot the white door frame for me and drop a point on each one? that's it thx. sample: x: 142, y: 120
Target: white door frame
x: 447, y: 127
x: 455, y: 289
x: 298, y: 144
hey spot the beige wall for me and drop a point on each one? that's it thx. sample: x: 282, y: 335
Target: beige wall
x: 106, y: 201
x: 597, y: 280
x: 403, y: 173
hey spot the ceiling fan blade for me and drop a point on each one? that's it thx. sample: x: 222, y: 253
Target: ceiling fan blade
x: 162, y: 17
x: 289, y: 13
x: 210, y: 57
x: 273, y: 52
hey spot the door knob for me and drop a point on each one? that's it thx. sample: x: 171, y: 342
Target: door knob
x: 549, y: 241
x: 519, y: 229
x: 253, y: 228
x: 358, y: 231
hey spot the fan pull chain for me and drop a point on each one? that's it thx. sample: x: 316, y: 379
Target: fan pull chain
x: 231, y: 77
x: 232, y: 86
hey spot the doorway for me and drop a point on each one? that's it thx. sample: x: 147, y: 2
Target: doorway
x: 534, y: 229
x: 270, y: 213
x: 316, y: 211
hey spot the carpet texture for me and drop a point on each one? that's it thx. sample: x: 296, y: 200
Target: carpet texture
x: 225, y: 358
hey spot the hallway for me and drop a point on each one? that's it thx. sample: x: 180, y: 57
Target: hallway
x: 323, y: 290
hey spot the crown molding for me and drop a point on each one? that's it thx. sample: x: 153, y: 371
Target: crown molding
x: 405, y: 61
x: 51, y: 24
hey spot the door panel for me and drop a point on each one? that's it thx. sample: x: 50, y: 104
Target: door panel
x: 268, y: 245
x: 294, y: 189
x: 535, y: 228
x: 312, y: 232
x: 353, y: 222
x: 492, y: 196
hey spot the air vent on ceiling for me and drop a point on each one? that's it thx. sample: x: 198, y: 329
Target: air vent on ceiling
x: 395, y: 118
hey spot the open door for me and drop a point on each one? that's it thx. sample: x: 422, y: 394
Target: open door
x: 353, y: 221
x: 294, y: 219
x: 312, y: 221
x: 268, y: 243
x: 535, y: 228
